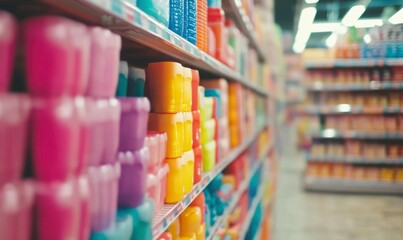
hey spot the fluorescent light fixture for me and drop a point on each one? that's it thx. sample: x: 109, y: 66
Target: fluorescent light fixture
x: 298, y: 47
x: 302, y: 36
x: 331, y: 40
x: 367, y: 38
x: 368, y: 23
x: 397, y: 18
x: 306, y: 18
x: 327, y: 27
x: 353, y: 15
x: 311, y: 1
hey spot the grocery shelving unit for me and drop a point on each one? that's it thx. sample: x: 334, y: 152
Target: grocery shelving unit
x: 146, y: 40
x: 156, y: 41
x: 345, y: 183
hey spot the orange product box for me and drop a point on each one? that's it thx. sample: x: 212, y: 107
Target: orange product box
x: 372, y: 173
x: 393, y: 150
x: 399, y: 174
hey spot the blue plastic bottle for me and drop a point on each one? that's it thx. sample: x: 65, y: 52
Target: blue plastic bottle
x: 122, y: 230
x: 190, y: 25
x: 158, y: 9
x: 176, y: 16
x: 135, y: 85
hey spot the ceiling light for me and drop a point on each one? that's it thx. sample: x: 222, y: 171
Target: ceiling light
x: 331, y: 40
x: 353, y: 15
x: 367, y: 38
x: 302, y: 36
x: 306, y: 18
x: 298, y: 47
x: 397, y: 18
x: 326, y: 27
x: 368, y: 23
x: 311, y: 1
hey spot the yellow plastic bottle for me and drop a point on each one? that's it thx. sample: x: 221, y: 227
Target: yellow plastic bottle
x: 190, y: 222
x: 188, y: 131
x: 188, y: 176
x: 208, y: 131
x: 173, y: 125
x: 174, y: 229
x: 175, y: 188
x: 164, y: 86
x: 209, y: 155
x: 187, y: 90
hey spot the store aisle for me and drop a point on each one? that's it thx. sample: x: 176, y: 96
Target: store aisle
x: 303, y: 215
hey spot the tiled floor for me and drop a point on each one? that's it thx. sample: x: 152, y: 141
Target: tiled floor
x: 318, y: 216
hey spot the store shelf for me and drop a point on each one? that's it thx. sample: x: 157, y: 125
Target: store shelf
x: 356, y: 160
x: 348, y: 109
x: 170, y: 212
x: 220, y: 223
x: 340, y: 63
x: 334, y: 134
x: 235, y: 9
x: 353, y: 186
x: 145, y: 39
x: 252, y: 210
x: 371, y: 86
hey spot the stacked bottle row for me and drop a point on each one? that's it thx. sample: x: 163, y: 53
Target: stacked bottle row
x: 367, y: 123
x: 354, y: 75
x: 197, y: 221
x: 377, y: 150
x: 379, y: 42
x: 203, y: 23
x: 365, y: 99
x: 354, y: 172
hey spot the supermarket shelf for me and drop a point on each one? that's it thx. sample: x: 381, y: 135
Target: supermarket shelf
x: 242, y: 20
x: 348, y: 109
x: 353, y: 186
x: 251, y: 211
x: 353, y: 63
x: 334, y: 134
x: 170, y: 212
x: 220, y: 223
x: 157, y: 42
x: 356, y: 160
x: 371, y: 86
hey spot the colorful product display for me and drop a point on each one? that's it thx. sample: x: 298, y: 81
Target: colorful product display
x: 97, y: 143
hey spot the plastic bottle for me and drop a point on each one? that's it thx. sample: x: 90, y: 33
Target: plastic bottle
x: 135, y: 85
x: 190, y: 21
x: 8, y: 35
x: 121, y: 90
x: 176, y: 16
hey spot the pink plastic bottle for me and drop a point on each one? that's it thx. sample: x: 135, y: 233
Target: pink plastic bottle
x: 84, y: 198
x: 103, y: 195
x: 16, y: 200
x: 104, y: 62
x: 49, y: 55
x: 80, y: 40
x: 96, y: 110
x: 14, y: 113
x: 58, y: 208
x: 111, y: 131
x: 84, y: 134
x: 8, y: 34
x: 55, y: 138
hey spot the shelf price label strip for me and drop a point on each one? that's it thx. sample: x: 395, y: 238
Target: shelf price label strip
x: 171, y: 211
x: 355, y: 160
x: 353, y: 186
x: 354, y: 63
